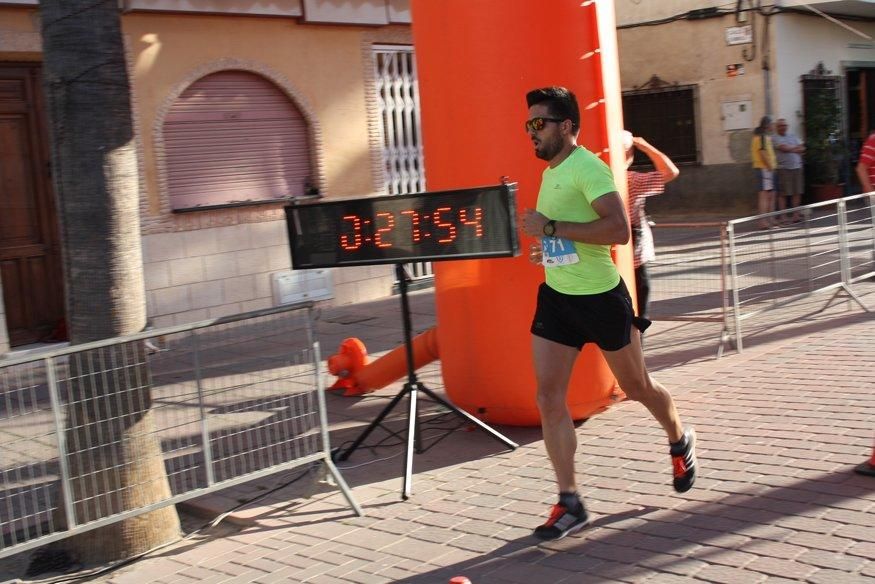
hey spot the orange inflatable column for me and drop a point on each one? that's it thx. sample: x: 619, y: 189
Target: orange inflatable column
x: 476, y: 60
x: 358, y: 377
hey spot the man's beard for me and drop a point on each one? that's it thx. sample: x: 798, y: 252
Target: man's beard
x: 549, y: 149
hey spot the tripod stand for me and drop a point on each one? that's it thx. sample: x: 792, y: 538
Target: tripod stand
x: 411, y: 389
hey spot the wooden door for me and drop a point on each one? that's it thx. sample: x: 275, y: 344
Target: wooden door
x: 30, y: 264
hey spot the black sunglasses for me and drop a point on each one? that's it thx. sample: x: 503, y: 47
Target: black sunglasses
x: 537, y: 124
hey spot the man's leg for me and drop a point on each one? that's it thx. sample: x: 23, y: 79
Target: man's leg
x: 553, y: 365
x: 782, y: 193
x: 796, y: 198
x: 772, y: 205
x: 627, y: 365
x: 642, y: 289
x: 765, y: 202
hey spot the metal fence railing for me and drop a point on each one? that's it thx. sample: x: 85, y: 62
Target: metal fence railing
x: 830, y: 249
x: 690, y: 275
x: 729, y: 272
x: 212, y: 404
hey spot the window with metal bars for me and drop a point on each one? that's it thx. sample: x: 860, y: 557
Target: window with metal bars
x: 398, y: 102
x: 665, y: 117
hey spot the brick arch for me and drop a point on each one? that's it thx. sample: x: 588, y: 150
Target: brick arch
x: 277, y: 79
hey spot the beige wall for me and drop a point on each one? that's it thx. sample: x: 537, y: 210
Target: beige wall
x: 695, y: 53
x: 629, y: 11
x: 19, y: 36
x: 322, y: 67
x: 212, y: 263
x: 207, y: 264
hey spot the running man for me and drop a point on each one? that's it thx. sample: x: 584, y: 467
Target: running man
x: 579, y: 217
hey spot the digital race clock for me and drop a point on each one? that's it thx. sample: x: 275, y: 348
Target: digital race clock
x: 431, y: 226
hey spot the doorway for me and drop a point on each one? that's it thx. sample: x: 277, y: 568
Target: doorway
x: 860, y: 97
x: 30, y: 262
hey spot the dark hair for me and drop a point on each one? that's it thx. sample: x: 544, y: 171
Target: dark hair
x: 560, y: 102
x: 764, y: 123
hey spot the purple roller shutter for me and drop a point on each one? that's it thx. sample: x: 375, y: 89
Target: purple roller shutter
x: 234, y: 137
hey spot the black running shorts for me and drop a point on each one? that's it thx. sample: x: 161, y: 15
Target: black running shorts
x: 605, y: 319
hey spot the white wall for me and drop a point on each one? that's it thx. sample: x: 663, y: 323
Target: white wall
x: 801, y: 42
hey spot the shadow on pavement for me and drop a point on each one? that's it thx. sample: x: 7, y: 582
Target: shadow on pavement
x: 617, y: 546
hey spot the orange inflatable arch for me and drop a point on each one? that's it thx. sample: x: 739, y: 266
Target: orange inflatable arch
x: 476, y: 60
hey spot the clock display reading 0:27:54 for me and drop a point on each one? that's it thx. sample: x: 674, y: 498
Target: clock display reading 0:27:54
x: 380, y: 231
x: 469, y: 223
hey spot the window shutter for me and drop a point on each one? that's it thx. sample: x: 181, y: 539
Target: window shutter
x: 234, y: 137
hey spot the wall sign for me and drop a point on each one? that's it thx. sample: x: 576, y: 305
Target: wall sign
x: 739, y: 35
x: 431, y: 226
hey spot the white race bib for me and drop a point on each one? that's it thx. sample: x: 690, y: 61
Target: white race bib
x: 558, y: 251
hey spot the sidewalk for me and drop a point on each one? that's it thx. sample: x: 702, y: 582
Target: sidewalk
x: 780, y: 429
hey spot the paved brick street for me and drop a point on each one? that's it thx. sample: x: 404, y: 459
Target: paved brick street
x: 780, y: 426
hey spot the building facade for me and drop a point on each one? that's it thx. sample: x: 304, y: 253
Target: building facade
x: 239, y: 106
x: 698, y: 75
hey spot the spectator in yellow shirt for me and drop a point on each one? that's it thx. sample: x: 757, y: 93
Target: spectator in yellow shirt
x: 762, y: 153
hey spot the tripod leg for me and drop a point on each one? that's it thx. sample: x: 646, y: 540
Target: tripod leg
x: 343, y: 455
x: 465, y: 415
x: 412, y: 438
x: 417, y: 432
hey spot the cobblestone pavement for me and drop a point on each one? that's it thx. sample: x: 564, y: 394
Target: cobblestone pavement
x: 781, y: 427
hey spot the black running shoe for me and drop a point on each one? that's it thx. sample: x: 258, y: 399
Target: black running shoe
x: 683, y: 459
x: 562, y: 522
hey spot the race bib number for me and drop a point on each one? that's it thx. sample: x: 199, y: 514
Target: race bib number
x: 558, y: 251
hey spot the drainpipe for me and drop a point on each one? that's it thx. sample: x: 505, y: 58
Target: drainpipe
x: 766, y: 63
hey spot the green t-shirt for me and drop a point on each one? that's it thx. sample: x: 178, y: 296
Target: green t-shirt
x: 566, y: 194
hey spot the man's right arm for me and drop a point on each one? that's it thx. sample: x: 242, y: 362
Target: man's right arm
x: 663, y: 163
x: 610, y: 228
x: 863, y: 175
x: 866, y: 160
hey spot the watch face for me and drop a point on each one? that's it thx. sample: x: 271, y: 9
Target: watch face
x: 550, y: 228
x: 468, y: 223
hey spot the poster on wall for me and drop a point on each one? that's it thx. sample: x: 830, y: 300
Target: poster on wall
x: 735, y: 69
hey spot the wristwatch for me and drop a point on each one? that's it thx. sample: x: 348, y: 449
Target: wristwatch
x: 550, y: 228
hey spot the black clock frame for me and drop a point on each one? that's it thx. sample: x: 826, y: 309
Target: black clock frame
x: 320, y: 236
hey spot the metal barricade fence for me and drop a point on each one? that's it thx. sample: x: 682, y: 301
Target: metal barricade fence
x: 729, y: 272
x: 832, y: 247
x: 689, y: 277
x: 216, y: 403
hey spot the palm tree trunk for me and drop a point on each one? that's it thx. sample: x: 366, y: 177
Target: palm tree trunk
x: 113, y: 448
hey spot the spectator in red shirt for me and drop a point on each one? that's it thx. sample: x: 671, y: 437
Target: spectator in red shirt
x: 642, y: 185
x: 866, y: 165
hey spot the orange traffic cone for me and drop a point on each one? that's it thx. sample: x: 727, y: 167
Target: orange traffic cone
x: 459, y: 580
x: 867, y: 468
